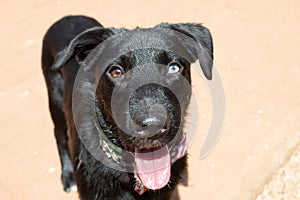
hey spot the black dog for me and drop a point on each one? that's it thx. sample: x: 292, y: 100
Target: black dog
x: 145, y: 75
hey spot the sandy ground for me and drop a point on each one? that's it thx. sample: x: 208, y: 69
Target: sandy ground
x: 285, y: 183
x: 256, y: 53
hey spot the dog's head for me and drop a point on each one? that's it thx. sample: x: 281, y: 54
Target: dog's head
x: 143, y: 92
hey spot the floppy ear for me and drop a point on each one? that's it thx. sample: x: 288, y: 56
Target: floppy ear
x: 81, y: 45
x: 203, y: 39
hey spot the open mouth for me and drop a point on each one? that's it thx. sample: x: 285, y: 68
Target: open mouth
x: 152, y: 156
x: 152, y: 163
x: 154, y: 168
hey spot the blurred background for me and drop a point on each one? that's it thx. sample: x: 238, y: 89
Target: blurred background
x: 256, y: 48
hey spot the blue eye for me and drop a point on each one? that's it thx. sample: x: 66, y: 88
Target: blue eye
x: 174, y: 68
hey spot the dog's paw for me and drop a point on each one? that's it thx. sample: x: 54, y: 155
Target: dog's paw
x: 68, y: 182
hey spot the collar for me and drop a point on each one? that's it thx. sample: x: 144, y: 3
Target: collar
x: 111, y: 151
x: 115, y: 153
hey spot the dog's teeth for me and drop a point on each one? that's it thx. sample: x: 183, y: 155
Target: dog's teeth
x: 73, y: 188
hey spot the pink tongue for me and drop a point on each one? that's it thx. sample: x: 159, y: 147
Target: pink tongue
x: 154, y: 168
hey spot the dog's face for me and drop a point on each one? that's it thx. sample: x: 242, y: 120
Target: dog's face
x: 142, y: 93
x: 140, y: 84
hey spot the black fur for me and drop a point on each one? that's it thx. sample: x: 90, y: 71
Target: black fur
x: 72, y: 41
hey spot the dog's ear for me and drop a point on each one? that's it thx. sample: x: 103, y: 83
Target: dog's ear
x: 203, y: 39
x: 81, y: 45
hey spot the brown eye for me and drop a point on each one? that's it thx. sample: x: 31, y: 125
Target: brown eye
x: 116, y: 71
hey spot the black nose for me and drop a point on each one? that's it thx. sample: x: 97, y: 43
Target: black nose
x: 147, y: 126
